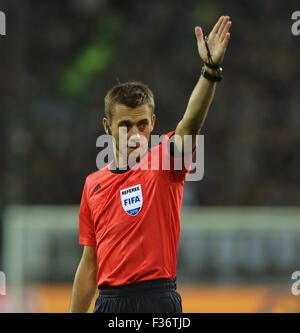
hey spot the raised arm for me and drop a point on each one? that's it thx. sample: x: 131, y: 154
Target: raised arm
x: 211, y: 51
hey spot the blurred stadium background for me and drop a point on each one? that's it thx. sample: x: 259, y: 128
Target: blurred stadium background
x: 240, y: 240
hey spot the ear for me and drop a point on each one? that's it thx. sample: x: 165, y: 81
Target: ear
x: 153, y: 122
x: 105, y: 123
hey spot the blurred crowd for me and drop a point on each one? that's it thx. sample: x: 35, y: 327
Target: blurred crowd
x: 59, y: 58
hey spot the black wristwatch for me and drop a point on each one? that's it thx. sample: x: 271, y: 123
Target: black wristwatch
x: 211, y: 77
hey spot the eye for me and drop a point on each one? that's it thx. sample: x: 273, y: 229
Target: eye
x: 126, y: 126
x: 143, y: 125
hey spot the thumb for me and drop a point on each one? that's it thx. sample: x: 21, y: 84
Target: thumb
x: 199, y: 34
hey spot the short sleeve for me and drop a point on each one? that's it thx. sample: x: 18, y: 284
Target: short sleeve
x: 86, y: 225
x: 179, y: 163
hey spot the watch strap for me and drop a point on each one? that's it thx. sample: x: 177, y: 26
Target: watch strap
x: 211, y: 77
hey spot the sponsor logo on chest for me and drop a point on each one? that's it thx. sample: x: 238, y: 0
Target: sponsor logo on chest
x: 132, y: 199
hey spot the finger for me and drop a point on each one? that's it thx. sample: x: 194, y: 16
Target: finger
x: 226, y: 40
x: 225, y: 30
x: 199, y: 34
x: 223, y: 24
x: 217, y: 25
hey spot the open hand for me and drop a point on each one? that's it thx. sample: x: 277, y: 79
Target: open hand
x: 217, y: 40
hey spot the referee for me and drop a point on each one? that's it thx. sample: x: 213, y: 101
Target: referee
x: 129, y: 219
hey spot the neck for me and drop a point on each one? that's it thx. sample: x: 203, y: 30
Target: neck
x: 121, y: 160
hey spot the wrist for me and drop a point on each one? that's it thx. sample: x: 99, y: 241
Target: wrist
x: 212, y: 75
x: 212, y: 71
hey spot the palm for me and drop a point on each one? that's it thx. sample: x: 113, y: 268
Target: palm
x: 217, y: 40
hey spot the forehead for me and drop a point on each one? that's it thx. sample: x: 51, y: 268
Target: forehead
x: 123, y: 112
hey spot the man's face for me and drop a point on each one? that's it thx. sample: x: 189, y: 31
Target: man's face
x: 131, y: 129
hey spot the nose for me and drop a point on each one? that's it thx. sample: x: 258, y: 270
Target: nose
x: 134, y: 134
x: 135, y: 131
x: 134, y: 137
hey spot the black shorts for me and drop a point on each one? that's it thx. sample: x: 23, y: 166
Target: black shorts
x: 154, y: 296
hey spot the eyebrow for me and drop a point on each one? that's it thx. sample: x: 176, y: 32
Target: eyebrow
x: 129, y: 123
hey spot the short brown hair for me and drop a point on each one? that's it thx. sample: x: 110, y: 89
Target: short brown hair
x: 131, y: 94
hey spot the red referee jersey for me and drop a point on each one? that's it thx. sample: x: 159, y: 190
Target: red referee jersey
x: 133, y: 219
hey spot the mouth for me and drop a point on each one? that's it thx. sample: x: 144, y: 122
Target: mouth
x: 137, y: 145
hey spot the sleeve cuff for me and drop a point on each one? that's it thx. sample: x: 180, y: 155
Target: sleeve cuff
x: 174, y: 152
x: 87, y: 242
